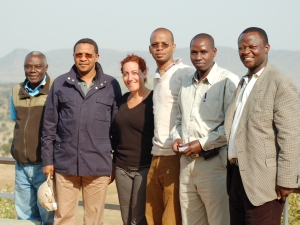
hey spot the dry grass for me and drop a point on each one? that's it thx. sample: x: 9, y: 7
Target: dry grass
x: 7, y: 172
x: 111, y: 217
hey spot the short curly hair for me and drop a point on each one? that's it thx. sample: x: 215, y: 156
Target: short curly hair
x: 137, y: 59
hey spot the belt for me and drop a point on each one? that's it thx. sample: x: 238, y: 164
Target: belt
x: 234, y: 162
x: 136, y: 168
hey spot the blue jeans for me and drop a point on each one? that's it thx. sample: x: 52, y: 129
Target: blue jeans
x: 28, y: 179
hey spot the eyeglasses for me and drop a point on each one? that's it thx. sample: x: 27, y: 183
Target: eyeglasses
x: 163, y: 45
x: 36, y: 67
x: 86, y: 55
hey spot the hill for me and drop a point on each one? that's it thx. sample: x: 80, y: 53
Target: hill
x: 60, y: 61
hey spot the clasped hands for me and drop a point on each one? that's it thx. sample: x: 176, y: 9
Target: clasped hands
x: 194, y: 147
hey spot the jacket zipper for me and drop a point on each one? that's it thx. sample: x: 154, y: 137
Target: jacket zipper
x: 25, y: 149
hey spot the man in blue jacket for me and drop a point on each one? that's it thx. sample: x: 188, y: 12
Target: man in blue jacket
x: 77, y: 136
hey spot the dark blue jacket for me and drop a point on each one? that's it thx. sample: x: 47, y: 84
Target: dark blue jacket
x: 77, y: 137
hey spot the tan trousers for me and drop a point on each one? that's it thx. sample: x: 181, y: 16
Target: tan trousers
x: 162, y: 193
x: 93, y: 194
x: 203, y: 194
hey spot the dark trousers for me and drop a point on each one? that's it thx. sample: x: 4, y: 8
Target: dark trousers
x: 242, y: 212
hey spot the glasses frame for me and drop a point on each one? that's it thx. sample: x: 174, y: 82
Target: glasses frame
x: 85, y: 55
x: 164, y: 45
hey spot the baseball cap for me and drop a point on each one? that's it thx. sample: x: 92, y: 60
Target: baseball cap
x: 46, y: 195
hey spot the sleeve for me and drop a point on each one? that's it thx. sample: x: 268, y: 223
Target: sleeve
x: 13, y: 113
x: 49, y: 127
x: 217, y: 137
x: 176, y: 130
x: 116, y: 104
x: 286, y: 116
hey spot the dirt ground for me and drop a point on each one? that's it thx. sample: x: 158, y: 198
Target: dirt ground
x: 111, y: 217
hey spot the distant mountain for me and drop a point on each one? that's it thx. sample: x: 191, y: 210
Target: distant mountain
x: 60, y: 61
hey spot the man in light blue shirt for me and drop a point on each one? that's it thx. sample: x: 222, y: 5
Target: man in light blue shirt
x: 27, y: 103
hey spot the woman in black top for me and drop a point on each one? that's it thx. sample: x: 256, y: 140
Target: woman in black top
x: 135, y: 124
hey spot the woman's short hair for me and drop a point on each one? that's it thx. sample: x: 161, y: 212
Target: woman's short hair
x: 137, y: 59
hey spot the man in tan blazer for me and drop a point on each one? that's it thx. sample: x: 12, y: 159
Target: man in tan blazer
x: 262, y: 125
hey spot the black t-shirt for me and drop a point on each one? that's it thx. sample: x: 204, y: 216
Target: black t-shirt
x: 136, y: 130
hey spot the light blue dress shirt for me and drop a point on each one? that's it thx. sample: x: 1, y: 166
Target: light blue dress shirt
x: 13, y: 113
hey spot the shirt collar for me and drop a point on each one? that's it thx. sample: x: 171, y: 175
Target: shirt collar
x: 43, y: 82
x: 210, y: 77
x: 80, y: 80
x: 256, y: 75
x: 176, y: 62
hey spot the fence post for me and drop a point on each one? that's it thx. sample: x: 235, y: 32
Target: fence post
x: 286, y: 212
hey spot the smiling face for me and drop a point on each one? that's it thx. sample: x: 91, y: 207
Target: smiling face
x: 85, y: 58
x: 202, y: 54
x: 35, y: 69
x: 133, y: 77
x: 162, y: 48
x: 253, y: 52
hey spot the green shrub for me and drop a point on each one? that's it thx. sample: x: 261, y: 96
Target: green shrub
x: 294, y: 209
x: 6, y: 149
x: 7, y: 206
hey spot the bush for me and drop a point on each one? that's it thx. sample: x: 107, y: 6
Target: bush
x: 294, y: 209
x: 7, y: 206
x: 6, y: 149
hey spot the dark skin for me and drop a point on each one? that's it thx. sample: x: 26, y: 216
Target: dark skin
x: 35, y: 70
x: 162, y: 56
x: 202, y: 54
x: 86, y: 71
x: 253, y: 53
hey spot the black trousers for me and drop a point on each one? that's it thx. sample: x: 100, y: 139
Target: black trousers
x: 242, y: 212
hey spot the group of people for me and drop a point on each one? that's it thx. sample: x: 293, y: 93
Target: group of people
x: 202, y: 147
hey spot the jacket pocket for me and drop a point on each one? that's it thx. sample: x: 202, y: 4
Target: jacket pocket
x: 103, y: 108
x: 271, y: 162
x: 67, y: 104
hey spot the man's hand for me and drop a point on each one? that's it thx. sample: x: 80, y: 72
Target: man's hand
x: 178, y: 142
x: 283, y: 192
x: 194, y: 147
x: 49, y: 169
x: 113, y: 173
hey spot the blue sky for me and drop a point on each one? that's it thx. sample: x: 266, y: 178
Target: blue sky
x: 46, y: 25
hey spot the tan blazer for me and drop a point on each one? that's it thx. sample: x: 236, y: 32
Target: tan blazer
x: 268, y: 136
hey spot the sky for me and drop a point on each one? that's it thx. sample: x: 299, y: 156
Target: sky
x: 127, y: 25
